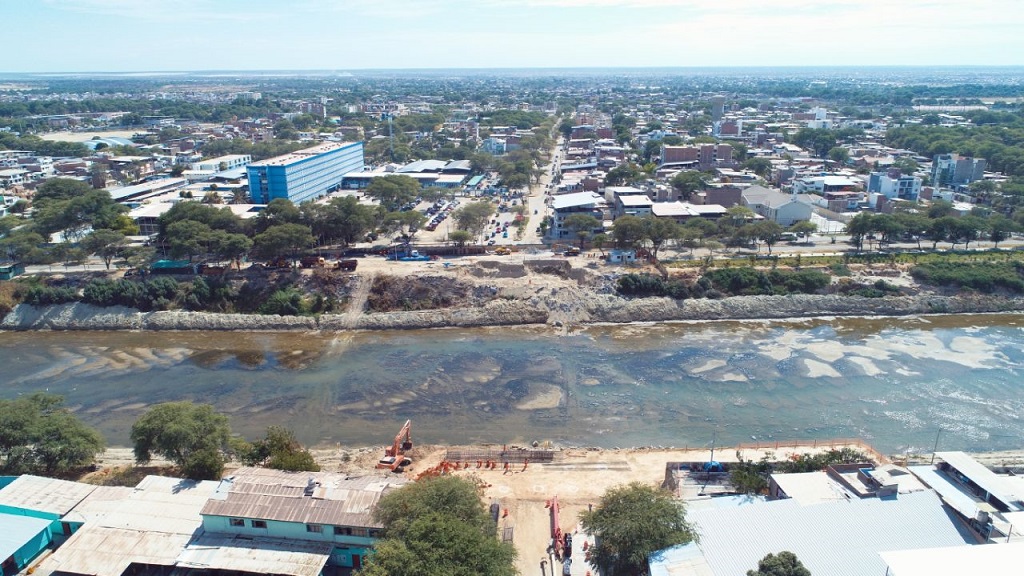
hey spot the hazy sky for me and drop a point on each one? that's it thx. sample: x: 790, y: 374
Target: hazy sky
x: 125, y: 35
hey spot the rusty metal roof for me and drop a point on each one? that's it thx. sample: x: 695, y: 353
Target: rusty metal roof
x: 255, y: 555
x: 308, y: 498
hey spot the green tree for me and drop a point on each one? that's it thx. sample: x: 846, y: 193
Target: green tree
x: 781, y: 564
x: 628, y: 231
x: 107, y: 244
x: 582, y: 226
x: 278, y: 450
x: 760, y: 166
x: 688, y: 182
x: 393, y: 191
x: 474, y: 217
x: 623, y: 174
x: 769, y: 232
x: 231, y: 247
x: 804, y: 229
x: 599, y: 241
x: 839, y: 154
x: 460, y: 237
x: 660, y: 230
x: 38, y: 435
x: 630, y: 523
x: 187, y: 238
x: 284, y: 240
x: 438, y: 526
x: 858, y: 228
x: 190, y: 435
x: 1000, y: 228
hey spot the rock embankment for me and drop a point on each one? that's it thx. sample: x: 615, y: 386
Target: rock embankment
x: 562, y: 307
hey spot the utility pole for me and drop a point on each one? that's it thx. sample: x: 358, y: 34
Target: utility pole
x: 936, y: 448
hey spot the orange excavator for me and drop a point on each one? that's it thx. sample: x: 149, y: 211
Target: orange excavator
x: 394, y: 457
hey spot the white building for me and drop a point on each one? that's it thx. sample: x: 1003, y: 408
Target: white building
x: 229, y: 162
x: 565, y: 205
x: 776, y: 206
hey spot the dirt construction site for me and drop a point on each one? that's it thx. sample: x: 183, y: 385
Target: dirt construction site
x: 524, y: 490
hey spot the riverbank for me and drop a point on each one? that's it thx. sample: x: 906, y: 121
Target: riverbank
x: 562, y: 308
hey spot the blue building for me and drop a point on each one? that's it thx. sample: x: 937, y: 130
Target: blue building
x: 305, y: 174
x: 320, y: 509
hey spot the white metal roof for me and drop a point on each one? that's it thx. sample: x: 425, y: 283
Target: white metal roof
x: 44, y: 494
x: 256, y: 555
x: 575, y: 199
x: 980, y: 475
x: 956, y: 561
x: 151, y: 525
x: 16, y: 531
x: 812, y: 487
x: 636, y: 200
x: 831, y: 539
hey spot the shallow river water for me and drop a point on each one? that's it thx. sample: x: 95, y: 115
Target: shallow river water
x: 894, y: 382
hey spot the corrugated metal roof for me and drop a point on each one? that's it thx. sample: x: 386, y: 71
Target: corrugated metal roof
x: 276, y: 495
x: 997, y: 559
x: 151, y: 524
x: 811, y: 487
x: 683, y: 560
x: 953, y: 494
x: 256, y: 555
x: 15, y: 531
x: 44, y: 494
x: 980, y: 475
x: 831, y: 539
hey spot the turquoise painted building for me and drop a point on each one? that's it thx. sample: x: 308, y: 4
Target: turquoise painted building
x: 301, y: 507
x: 47, y: 499
x: 304, y: 175
x: 22, y: 539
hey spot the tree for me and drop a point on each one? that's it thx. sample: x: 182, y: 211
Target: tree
x: 474, y: 217
x: 628, y: 231
x: 460, y: 237
x: 858, y: 227
x: 106, y: 244
x: 190, y: 435
x: 284, y: 240
x: 630, y: 523
x: 781, y: 564
x: 1000, y: 228
x: 623, y: 174
x: 187, y: 238
x: 804, y: 229
x: 688, y: 182
x: 393, y: 191
x: 232, y: 247
x: 278, y: 450
x: 660, y: 230
x: 839, y: 154
x: 769, y: 232
x: 582, y: 225
x: 760, y: 166
x: 599, y: 241
x: 38, y: 435
x: 438, y: 526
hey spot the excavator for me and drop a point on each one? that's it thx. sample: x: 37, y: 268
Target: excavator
x: 394, y: 457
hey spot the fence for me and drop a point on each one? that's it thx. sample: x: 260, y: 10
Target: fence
x: 501, y: 456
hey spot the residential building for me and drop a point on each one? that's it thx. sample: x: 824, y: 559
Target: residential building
x: 13, y: 177
x: 566, y: 205
x: 304, y: 175
x: 222, y: 163
x: 894, y: 185
x: 680, y: 212
x: 822, y: 184
x: 320, y: 508
x: 701, y: 155
x: 776, y: 206
x: 955, y: 170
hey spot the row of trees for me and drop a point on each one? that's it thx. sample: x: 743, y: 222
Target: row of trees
x: 939, y: 224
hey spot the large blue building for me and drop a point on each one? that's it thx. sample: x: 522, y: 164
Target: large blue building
x: 304, y: 175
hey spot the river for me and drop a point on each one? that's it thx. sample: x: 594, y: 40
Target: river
x: 894, y: 382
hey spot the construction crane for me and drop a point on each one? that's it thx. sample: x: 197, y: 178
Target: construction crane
x: 394, y: 457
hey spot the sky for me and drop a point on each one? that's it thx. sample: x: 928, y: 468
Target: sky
x: 187, y: 35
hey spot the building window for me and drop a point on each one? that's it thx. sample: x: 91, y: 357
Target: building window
x: 316, y: 528
x: 342, y: 531
x: 374, y: 533
x: 259, y: 523
x: 236, y: 522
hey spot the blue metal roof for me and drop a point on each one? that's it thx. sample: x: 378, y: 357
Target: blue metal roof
x: 16, y: 531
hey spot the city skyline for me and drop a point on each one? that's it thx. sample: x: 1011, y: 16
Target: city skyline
x: 161, y: 35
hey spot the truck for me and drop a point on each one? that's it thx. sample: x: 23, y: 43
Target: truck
x: 502, y: 251
x: 312, y: 262
x: 346, y: 265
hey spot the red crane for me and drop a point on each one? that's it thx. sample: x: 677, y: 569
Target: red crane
x: 394, y: 457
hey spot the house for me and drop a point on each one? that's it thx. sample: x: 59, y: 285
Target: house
x: 776, y: 206
x: 894, y: 185
x: 680, y: 212
x: 955, y: 170
x: 330, y: 511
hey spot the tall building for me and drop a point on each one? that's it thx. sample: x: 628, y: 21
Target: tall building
x: 305, y: 174
x: 955, y: 170
x: 717, y: 108
x: 894, y: 185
